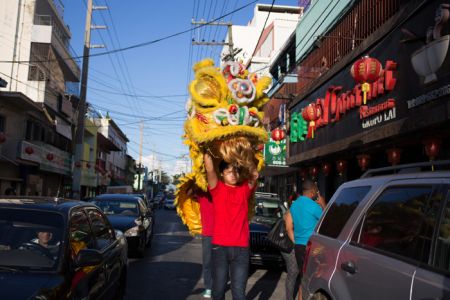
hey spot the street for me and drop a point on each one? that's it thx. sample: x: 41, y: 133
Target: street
x: 172, y: 267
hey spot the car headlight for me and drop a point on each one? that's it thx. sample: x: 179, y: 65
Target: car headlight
x: 133, y: 231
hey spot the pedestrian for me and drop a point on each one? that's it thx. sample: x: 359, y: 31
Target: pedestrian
x: 289, y: 258
x: 303, y: 216
x: 207, y: 218
x: 230, y: 254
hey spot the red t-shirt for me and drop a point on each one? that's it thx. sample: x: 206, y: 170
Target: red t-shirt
x: 230, y: 203
x: 206, y: 213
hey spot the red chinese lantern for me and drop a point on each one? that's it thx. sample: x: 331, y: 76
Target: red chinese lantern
x: 29, y: 150
x: 366, y: 70
x: 394, y: 155
x: 363, y: 161
x: 78, y: 164
x: 278, y: 134
x: 2, y: 137
x: 311, y: 113
x: 50, y: 156
x: 432, y: 147
x: 326, y: 168
x: 313, y: 171
x: 341, y: 166
x: 303, y: 174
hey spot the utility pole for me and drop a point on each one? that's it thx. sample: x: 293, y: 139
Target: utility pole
x: 140, y: 155
x: 232, y: 52
x: 79, y: 136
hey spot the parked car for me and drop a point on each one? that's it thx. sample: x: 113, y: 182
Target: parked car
x: 169, y: 203
x: 383, y: 237
x: 52, y: 248
x: 130, y: 215
x: 268, y: 209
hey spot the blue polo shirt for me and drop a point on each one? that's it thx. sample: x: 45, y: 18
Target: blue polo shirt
x: 305, y: 214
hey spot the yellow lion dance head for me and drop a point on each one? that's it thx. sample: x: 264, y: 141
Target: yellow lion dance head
x: 225, y: 118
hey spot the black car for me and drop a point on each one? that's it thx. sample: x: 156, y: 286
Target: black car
x: 268, y: 209
x: 130, y: 215
x: 52, y: 248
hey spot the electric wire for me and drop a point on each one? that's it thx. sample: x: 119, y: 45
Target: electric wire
x: 143, y: 44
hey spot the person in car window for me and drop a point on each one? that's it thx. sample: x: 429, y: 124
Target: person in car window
x: 230, y: 251
x: 303, y: 216
x: 43, y: 238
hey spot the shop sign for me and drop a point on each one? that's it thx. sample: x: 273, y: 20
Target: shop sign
x: 60, y: 162
x: 30, y: 152
x: 378, y: 119
x: 430, y: 96
x: 275, y: 153
x: 336, y: 103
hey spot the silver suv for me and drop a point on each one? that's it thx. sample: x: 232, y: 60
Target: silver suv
x: 383, y: 237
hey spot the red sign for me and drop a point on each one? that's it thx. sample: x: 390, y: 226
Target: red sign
x: 336, y: 103
x: 366, y: 111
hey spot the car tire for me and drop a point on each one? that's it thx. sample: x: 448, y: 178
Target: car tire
x: 140, y: 250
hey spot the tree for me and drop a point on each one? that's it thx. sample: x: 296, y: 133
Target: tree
x: 176, y: 178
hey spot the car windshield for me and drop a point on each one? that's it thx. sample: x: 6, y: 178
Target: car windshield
x: 30, y: 239
x: 269, y: 209
x: 118, y: 207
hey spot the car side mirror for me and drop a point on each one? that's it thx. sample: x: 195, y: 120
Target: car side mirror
x: 88, y: 257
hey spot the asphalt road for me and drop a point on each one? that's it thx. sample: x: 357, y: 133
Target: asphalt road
x: 172, y: 267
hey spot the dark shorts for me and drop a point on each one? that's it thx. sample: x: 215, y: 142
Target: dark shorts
x: 300, y: 257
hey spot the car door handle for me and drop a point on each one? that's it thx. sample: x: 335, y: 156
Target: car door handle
x: 349, y: 267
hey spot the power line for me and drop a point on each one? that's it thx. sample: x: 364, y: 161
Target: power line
x: 262, y: 31
x: 139, y: 45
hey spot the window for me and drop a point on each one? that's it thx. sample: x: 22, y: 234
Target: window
x: 80, y: 233
x: 400, y: 222
x: 103, y: 232
x: 35, y: 73
x: 442, y: 255
x: 341, y: 210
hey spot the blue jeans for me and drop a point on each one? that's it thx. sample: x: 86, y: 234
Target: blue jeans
x: 206, y: 258
x: 233, y: 260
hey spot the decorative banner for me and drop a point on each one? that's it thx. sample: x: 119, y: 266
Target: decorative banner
x: 275, y: 152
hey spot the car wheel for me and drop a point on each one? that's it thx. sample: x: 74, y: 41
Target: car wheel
x: 140, y: 250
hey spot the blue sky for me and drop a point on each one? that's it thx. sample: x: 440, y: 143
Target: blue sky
x: 161, y: 69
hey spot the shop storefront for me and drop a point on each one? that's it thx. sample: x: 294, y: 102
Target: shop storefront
x: 46, y: 169
x: 336, y: 134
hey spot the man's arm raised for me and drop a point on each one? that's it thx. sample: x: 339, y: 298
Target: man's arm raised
x: 211, y: 175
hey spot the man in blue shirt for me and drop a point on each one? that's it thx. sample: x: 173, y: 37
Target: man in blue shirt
x: 303, y: 216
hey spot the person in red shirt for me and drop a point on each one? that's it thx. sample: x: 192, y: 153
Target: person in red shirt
x: 230, y: 251
x: 207, y: 217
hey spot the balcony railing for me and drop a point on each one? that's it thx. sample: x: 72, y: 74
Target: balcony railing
x: 343, y: 38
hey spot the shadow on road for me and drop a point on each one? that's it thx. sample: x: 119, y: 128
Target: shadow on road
x: 162, y: 280
x: 162, y: 244
x: 266, y: 285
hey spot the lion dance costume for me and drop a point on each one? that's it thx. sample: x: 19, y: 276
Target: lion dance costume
x: 224, y: 118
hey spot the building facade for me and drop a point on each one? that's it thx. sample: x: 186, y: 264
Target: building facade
x: 406, y: 113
